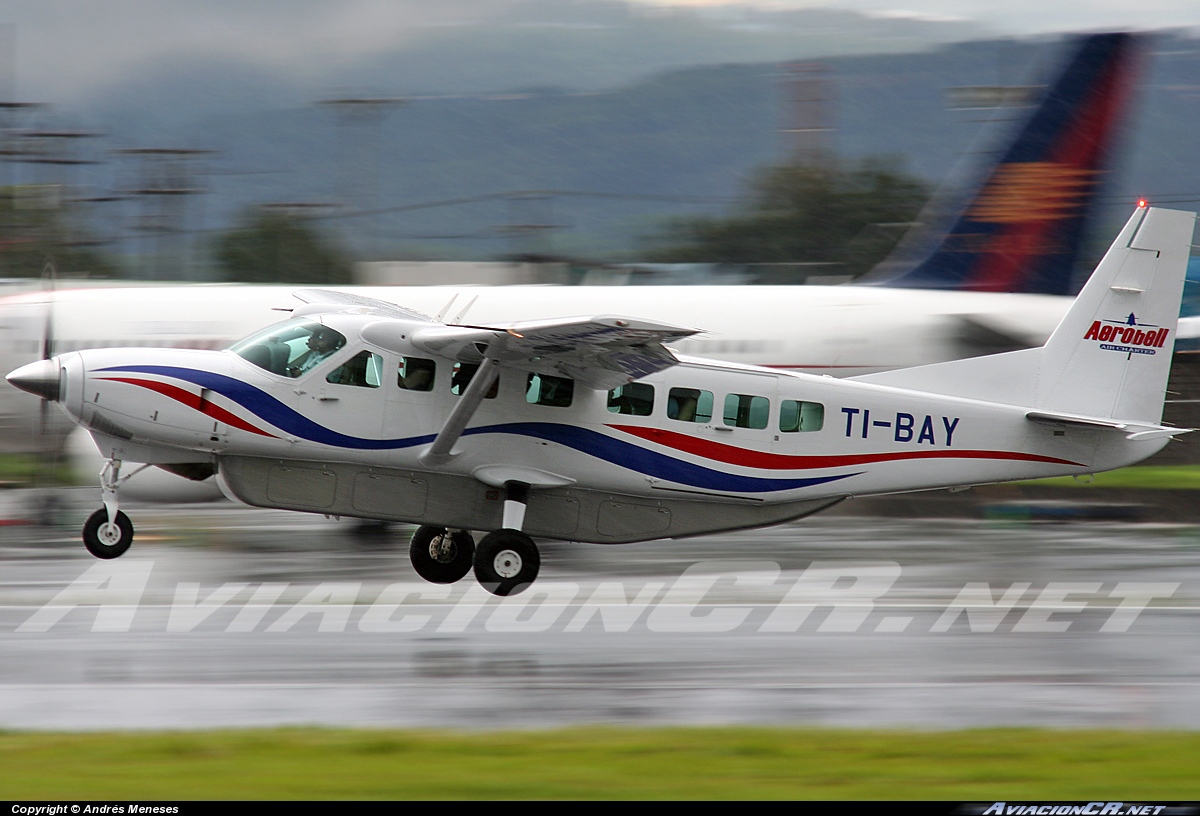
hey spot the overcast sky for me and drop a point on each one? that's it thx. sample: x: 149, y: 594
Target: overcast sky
x: 1014, y: 16
x: 64, y: 47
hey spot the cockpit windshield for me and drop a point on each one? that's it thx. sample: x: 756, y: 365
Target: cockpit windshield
x: 290, y: 349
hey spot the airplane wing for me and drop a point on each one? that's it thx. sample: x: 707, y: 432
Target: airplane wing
x: 328, y: 297
x: 599, y: 352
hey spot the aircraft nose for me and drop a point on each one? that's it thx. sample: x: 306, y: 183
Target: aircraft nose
x: 39, y: 378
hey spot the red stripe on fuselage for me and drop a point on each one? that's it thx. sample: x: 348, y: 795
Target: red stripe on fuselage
x: 194, y: 401
x: 730, y: 455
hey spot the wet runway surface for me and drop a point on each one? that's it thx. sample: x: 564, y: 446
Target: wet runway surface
x: 227, y: 616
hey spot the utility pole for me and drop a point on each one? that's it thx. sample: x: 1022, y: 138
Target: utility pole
x: 360, y: 165
x: 166, y: 178
x: 530, y: 222
x: 808, y: 128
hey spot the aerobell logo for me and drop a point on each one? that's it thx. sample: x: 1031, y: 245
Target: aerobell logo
x: 1127, y: 335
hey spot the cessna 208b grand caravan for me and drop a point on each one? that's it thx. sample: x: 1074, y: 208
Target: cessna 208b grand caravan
x: 591, y: 429
x: 1004, y: 255
x: 1004, y: 259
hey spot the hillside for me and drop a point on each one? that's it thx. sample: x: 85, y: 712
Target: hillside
x: 625, y: 160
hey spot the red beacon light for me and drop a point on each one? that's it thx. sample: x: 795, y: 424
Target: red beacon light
x: 1141, y: 203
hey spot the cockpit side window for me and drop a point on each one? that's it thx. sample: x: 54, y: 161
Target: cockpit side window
x: 290, y: 349
x: 364, y: 370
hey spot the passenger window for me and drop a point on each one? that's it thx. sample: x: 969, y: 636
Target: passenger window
x: 746, y: 411
x: 463, y: 372
x: 364, y: 370
x: 635, y: 399
x: 543, y: 389
x: 797, y: 416
x: 416, y: 374
x: 689, y: 405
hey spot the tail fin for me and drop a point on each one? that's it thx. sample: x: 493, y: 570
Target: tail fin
x: 1021, y: 230
x: 1111, y: 355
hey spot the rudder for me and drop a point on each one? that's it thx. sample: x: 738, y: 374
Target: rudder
x: 1111, y: 354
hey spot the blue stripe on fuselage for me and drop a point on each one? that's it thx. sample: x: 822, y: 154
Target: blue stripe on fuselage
x: 271, y: 410
x: 657, y: 465
x: 593, y: 443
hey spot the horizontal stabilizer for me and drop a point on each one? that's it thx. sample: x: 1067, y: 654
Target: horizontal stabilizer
x: 1132, y: 430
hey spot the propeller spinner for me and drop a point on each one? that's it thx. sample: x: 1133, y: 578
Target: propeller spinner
x: 39, y: 378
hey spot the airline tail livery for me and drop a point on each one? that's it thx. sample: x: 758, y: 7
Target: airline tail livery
x: 1020, y: 229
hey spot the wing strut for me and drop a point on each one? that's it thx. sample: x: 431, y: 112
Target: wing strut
x: 439, y: 451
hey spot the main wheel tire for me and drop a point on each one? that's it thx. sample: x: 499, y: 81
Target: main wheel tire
x: 105, y: 539
x: 441, y: 558
x: 506, y: 562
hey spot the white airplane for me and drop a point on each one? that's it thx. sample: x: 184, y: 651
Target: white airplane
x: 1010, y: 246
x: 841, y: 331
x: 590, y: 429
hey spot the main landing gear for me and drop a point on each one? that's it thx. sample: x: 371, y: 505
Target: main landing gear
x: 108, y: 532
x: 506, y: 561
x: 441, y: 557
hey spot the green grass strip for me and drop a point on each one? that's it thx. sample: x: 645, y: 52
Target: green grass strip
x: 20, y: 469
x: 604, y: 763
x: 1162, y: 477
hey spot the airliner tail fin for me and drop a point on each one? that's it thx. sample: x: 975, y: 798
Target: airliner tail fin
x: 1021, y: 230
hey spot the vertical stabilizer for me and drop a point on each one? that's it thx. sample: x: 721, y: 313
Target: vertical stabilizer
x: 1111, y: 355
x: 1020, y: 230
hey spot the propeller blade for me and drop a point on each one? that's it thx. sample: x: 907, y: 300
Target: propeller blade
x: 49, y: 285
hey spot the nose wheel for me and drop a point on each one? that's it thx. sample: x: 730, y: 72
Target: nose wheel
x: 107, y: 539
x: 506, y: 562
x: 439, y: 556
x: 108, y: 532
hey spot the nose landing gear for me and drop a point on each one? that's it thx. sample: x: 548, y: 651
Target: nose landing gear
x: 108, y: 532
x: 107, y: 539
